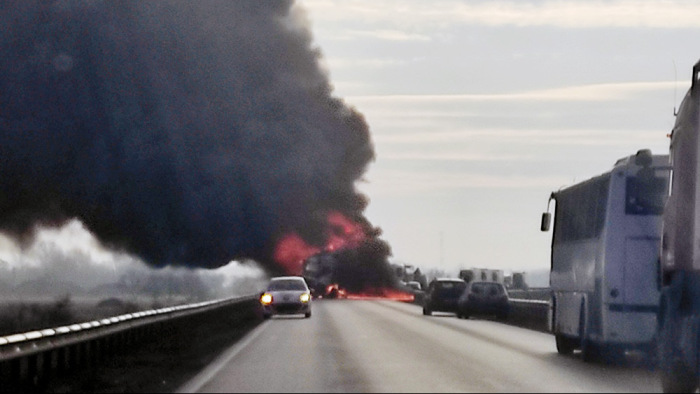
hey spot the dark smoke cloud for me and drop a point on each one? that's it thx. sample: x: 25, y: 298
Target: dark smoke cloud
x: 365, y: 268
x: 184, y: 132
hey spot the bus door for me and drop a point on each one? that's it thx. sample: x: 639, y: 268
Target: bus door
x: 637, y: 297
x: 645, y: 196
x: 640, y: 273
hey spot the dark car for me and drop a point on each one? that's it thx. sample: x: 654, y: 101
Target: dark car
x: 484, y: 299
x: 442, y: 295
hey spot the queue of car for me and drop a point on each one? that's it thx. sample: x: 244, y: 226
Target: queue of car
x: 466, y: 299
x: 290, y: 295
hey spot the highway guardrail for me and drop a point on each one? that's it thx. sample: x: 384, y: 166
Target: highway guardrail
x: 532, y: 314
x: 29, y: 360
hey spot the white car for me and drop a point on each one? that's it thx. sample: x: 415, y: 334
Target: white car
x: 286, y: 295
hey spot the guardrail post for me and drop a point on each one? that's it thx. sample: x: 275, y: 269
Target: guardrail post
x: 54, y: 363
x: 113, y: 345
x: 63, y: 359
x: 37, y: 369
x: 173, y: 334
x: 89, y: 354
x: 8, y: 376
x: 4, y: 372
x: 74, y: 356
x: 23, y: 369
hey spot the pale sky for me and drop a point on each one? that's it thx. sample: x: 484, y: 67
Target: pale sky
x: 480, y: 109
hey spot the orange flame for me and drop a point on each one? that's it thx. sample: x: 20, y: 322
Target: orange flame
x: 344, y: 232
x: 382, y: 294
x: 291, y: 250
x: 334, y: 291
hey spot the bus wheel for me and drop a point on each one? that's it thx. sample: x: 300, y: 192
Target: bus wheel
x: 565, y: 345
x: 610, y: 354
x: 589, y: 350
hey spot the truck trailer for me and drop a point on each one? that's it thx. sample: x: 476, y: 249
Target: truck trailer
x: 679, y: 312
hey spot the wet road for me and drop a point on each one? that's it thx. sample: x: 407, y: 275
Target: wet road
x: 387, y: 346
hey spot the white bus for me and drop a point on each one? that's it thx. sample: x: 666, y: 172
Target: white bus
x: 605, y: 258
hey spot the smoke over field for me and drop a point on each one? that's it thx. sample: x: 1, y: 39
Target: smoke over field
x: 187, y: 133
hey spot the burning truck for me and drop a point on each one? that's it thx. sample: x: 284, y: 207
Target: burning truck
x: 319, y: 272
x: 353, y: 273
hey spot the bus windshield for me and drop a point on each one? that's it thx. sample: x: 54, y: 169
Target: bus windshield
x: 646, y: 192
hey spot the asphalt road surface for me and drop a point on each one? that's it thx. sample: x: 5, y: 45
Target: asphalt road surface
x: 389, y: 346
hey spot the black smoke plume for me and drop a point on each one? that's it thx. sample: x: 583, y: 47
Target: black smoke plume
x: 184, y: 132
x: 365, y: 268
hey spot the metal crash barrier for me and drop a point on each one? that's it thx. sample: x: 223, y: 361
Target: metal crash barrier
x: 530, y: 309
x: 31, y: 359
x: 532, y: 314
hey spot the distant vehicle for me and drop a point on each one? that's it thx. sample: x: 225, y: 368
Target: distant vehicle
x: 442, y: 295
x: 319, y: 273
x: 484, y: 299
x: 286, y: 295
x: 517, y: 281
x: 414, y: 285
x: 604, y: 258
x: 417, y: 290
x: 410, y: 273
x: 482, y: 275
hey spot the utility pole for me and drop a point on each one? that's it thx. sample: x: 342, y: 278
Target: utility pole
x: 442, y: 252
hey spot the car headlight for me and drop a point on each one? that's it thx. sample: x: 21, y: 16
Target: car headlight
x: 266, y: 299
x: 305, y: 297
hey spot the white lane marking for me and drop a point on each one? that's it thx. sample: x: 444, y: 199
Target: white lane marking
x: 202, y: 378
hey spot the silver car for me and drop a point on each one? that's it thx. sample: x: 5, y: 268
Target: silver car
x: 286, y: 295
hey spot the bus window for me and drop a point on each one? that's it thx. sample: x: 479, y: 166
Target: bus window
x: 580, y: 211
x: 646, y: 193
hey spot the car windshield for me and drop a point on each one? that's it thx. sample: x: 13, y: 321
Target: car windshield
x: 286, y: 284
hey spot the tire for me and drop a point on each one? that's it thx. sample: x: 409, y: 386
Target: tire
x: 307, y: 315
x: 266, y: 316
x: 589, y: 350
x: 427, y: 312
x: 565, y: 345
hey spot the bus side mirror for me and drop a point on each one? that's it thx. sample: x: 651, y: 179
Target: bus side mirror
x: 546, y: 219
